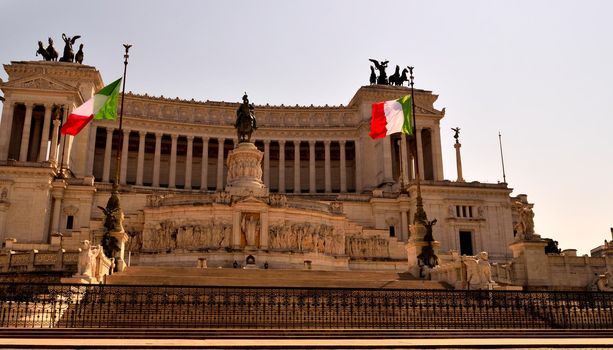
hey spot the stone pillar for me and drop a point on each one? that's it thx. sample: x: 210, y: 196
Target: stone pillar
x: 172, y: 176
x: 220, y: 164
x: 4, y: 207
x: 281, y: 166
x: 44, y: 139
x: 188, y: 162
x: 108, y: 148
x: 66, y: 146
x: 343, y: 167
x: 312, y: 183
x: 140, y: 162
x: 420, y: 153
x: 358, y: 167
x: 91, y: 151
x: 156, y: 159
x: 404, y: 225
x: 530, y: 263
x: 54, y: 137
x: 264, y: 230
x: 437, y: 153
x: 25, y: 134
x: 8, y: 110
x: 57, y: 193
x: 267, y: 163
x: 327, y: 168
x: 296, y: 166
x: 235, y: 242
x: 458, y: 161
x: 204, y: 170
x: 124, y: 156
x: 404, y: 159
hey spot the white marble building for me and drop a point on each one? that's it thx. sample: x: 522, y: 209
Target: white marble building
x: 333, y: 198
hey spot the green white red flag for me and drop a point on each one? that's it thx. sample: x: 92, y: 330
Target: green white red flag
x: 390, y: 117
x: 103, y: 105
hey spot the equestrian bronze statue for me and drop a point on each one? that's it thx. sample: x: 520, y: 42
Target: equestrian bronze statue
x: 245, y: 121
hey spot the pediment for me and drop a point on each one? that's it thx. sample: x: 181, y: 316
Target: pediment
x: 39, y: 82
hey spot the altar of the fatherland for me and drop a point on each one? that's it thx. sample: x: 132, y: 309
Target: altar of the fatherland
x: 309, y: 191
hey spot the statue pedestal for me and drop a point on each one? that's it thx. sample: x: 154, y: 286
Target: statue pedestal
x: 245, y: 171
x: 122, y: 238
x: 79, y: 279
x: 414, y: 249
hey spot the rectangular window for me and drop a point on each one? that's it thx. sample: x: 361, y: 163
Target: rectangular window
x: 457, y: 211
x: 392, y: 231
x: 463, y: 211
x: 69, y: 222
x: 466, y: 243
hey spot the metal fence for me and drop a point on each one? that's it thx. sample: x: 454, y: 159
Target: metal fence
x: 115, y: 306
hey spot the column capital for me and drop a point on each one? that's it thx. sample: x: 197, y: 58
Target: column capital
x: 174, y: 136
x: 48, y: 105
x: 281, y: 142
x: 56, y: 122
x: 110, y: 129
x: 158, y: 135
x: 126, y: 131
x: 205, y: 139
x: 266, y: 142
x: 190, y: 138
x: 327, y: 142
x: 221, y: 139
x: 342, y: 142
x: 142, y: 133
x: 312, y: 143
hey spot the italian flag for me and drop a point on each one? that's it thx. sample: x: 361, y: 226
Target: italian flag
x: 103, y: 105
x: 390, y: 117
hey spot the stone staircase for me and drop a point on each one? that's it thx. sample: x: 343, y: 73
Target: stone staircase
x: 187, y: 276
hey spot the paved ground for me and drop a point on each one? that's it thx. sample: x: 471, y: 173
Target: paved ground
x: 472, y: 343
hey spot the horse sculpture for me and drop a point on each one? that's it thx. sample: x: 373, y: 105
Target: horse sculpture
x: 245, y: 121
x: 382, y: 78
x: 395, y: 77
x: 51, y: 51
x: 68, y: 53
x: 41, y: 50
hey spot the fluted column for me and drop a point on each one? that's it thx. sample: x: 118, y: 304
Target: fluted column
x: 108, y: 148
x: 25, y: 134
x: 156, y: 159
x: 358, y: 167
x: 204, y: 170
x: 8, y: 110
x: 327, y: 169
x: 172, y: 176
x: 312, y: 183
x: 44, y: 139
x: 91, y: 150
x: 437, y: 154
x: 296, y: 166
x: 54, y: 137
x: 404, y: 162
x: 140, y: 162
x: 267, y: 163
x: 188, y: 162
x: 221, y: 142
x: 281, y: 166
x: 420, y: 154
x: 124, y: 156
x: 343, y: 166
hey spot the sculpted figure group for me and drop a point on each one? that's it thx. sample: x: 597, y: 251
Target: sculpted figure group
x: 306, y: 237
x: 50, y: 53
x: 397, y: 79
x: 372, y: 247
x: 166, y: 236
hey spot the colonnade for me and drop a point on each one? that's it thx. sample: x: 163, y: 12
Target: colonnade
x: 272, y: 168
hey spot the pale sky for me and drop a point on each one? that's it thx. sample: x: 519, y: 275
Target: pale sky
x: 538, y: 71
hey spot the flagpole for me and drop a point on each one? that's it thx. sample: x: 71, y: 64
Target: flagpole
x: 504, y: 176
x: 420, y: 215
x: 120, y: 143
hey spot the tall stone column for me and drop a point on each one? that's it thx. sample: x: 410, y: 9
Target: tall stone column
x: 281, y: 166
x: 172, y: 176
x: 8, y: 110
x: 25, y: 134
x: 267, y: 163
x: 312, y: 183
x: 343, y: 166
x: 458, y: 161
x: 264, y: 230
x: 327, y: 167
x: 235, y: 242
x: 108, y: 148
x: 204, y: 170
x: 404, y: 225
x: 420, y: 153
x: 44, y: 139
x: 4, y: 207
x: 57, y: 193
x: 188, y: 162
x: 220, y: 164
x: 405, y: 159
x: 156, y: 159
x: 91, y: 149
x: 296, y: 166
x: 388, y: 175
x: 140, y: 162
x: 124, y: 156
x: 54, y: 137
x: 437, y: 154
x: 358, y: 166
x: 66, y: 146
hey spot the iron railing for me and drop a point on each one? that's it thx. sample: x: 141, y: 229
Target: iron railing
x: 118, y: 306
